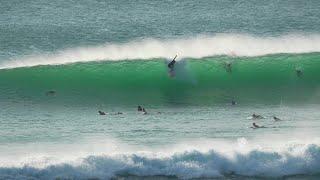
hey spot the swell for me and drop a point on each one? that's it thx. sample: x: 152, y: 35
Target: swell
x: 264, y: 78
x: 194, y: 47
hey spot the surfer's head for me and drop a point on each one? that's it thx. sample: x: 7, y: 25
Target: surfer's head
x: 139, y: 108
x: 102, y: 113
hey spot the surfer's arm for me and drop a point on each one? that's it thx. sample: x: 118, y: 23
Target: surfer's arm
x: 174, y: 57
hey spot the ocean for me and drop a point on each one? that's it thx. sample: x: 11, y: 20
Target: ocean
x: 63, y: 61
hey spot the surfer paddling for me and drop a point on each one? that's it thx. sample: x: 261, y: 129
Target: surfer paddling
x: 171, y: 66
x: 256, y: 116
x: 51, y: 93
x: 276, y: 119
x: 256, y: 126
x: 102, y: 113
x: 141, y: 109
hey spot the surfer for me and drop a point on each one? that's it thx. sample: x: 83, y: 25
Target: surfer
x: 51, y: 93
x: 233, y: 102
x: 276, y: 119
x: 171, y: 66
x: 256, y: 126
x: 299, y: 72
x: 229, y: 67
x: 257, y: 116
x: 144, y: 111
x: 139, y: 108
x: 102, y: 113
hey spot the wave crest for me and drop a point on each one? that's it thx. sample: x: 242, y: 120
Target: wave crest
x: 195, y: 47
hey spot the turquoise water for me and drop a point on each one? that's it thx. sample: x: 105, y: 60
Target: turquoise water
x: 112, y: 56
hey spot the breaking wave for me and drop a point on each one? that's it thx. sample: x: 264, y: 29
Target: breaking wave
x: 194, y: 47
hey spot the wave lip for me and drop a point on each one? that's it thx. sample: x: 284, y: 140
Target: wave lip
x: 292, y: 159
x: 195, y: 47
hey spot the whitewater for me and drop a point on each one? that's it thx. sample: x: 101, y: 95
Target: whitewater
x: 198, y: 47
x: 62, y: 62
x: 208, y: 160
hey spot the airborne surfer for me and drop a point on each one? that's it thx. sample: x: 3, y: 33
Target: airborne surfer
x: 171, y: 66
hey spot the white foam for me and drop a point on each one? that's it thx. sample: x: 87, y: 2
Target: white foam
x: 195, y: 47
x: 199, y: 159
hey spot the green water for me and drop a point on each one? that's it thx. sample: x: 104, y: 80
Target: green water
x: 112, y: 56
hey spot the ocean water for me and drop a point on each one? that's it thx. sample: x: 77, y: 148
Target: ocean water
x: 112, y: 56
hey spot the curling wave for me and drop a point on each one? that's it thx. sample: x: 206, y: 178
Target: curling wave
x: 196, y: 47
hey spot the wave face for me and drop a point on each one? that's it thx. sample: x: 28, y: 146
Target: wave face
x: 265, y: 79
x: 221, y: 160
x: 196, y: 47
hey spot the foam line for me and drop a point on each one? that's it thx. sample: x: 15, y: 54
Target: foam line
x: 194, y: 47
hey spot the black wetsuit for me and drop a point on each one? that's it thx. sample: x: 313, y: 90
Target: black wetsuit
x: 171, y: 64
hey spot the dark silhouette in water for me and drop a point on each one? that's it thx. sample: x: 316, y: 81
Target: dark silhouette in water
x: 256, y: 126
x: 171, y: 67
x: 276, y: 119
x: 102, y: 113
x: 171, y: 64
x: 257, y: 116
x: 51, y: 93
x: 144, y: 111
x: 229, y: 67
x: 233, y: 102
x: 299, y: 72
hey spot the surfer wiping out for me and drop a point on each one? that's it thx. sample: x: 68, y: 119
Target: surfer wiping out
x: 171, y: 66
